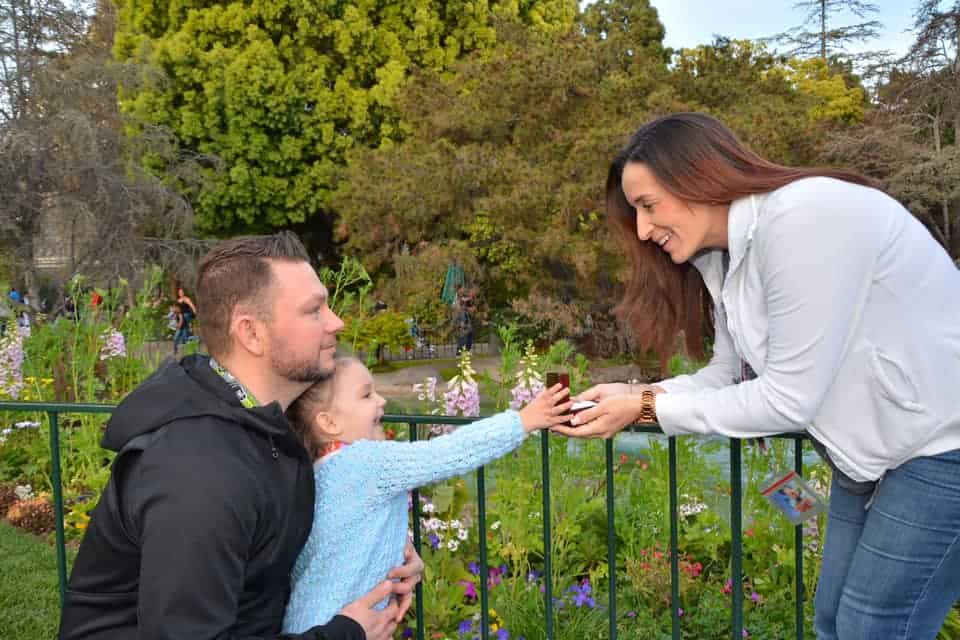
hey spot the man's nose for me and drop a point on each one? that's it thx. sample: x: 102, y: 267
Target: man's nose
x: 336, y: 324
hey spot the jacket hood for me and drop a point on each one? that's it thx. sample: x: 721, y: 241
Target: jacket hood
x: 189, y: 388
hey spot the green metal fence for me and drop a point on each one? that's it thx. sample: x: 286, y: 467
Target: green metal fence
x: 54, y: 411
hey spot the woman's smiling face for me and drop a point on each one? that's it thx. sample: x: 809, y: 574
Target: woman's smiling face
x: 678, y: 227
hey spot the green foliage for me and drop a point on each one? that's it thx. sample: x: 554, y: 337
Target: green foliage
x: 281, y: 91
x: 836, y: 101
x: 385, y: 329
x: 349, y: 290
x: 501, y: 173
x: 754, y: 92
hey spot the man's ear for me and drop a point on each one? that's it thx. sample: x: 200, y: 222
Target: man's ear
x: 249, y: 332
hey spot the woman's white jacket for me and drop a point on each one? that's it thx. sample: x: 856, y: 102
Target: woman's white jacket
x: 849, y: 312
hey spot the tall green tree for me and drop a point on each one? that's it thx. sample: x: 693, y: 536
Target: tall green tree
x: 775, y: 103
x: 503, y: 174
x: 279, y: 91
x: 504, y: 171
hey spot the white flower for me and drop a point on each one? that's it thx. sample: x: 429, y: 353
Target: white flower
x: 691, y: 508
x: 23, y: 491
x: 452, y: 545
x: 443, y: 525
x: 454, y: 524
x: 462, y: 534
x: 7, y: 432
x: 495, y: 525
x: 431, y: 524
x: 429, y: 508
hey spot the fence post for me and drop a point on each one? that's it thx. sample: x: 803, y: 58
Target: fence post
x: 674, y: 544
x: 611, y: 542
x: 58, y: 503
x: 547, y: 560
x: 736, y: 537
x: 415, y: 497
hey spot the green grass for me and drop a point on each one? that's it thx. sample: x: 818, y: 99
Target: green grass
x: 29, y: 597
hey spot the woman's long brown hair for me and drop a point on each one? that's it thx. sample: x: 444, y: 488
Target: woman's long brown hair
x: 697, y: 159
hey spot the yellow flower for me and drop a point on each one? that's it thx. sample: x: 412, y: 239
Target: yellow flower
x: 46, y: 380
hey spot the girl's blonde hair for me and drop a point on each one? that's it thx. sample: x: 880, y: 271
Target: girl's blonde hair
x: 319, y: 397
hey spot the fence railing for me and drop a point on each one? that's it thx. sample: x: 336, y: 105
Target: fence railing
x: 55, y: 410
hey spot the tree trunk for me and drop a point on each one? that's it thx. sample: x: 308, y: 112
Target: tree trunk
x: 823, y: 29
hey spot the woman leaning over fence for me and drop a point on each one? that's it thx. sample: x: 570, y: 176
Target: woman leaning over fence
x: 834, y: 312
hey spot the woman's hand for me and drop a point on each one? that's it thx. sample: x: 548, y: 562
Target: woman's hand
x: 600, y: 392
x: 606, y: 419
x: 406, y: 578
x: 547, y: 409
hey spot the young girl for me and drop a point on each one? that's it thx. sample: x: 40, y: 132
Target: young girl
x: 360, y: 517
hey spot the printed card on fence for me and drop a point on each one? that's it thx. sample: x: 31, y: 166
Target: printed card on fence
x: 793, y: 497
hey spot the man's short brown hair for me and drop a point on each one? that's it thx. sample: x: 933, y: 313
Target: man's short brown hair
x: 237, y: 272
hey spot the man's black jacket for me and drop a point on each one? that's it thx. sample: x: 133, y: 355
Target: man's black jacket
x: 206, y: 510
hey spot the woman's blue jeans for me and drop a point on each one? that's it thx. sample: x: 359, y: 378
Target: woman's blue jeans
x: 892, y: 571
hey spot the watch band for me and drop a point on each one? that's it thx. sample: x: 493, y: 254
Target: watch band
x: 648, y: 407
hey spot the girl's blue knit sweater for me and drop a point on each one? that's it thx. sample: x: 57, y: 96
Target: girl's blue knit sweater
x: 360, y: 515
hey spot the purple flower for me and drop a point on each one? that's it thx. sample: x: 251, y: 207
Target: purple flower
x: 474, y: 568
x: 581, y: 594
x: 503, y: 634
x: 465, y: 627
x: 631, y: 614
x: 114, y: 345
x: 679, y: 612
x: 533, y: 575
x: 755, y: 596
x: 407, y: 633
x: 434, y: 541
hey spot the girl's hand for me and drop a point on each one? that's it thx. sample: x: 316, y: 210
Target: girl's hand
x: 606, y: 419
x: 544, y: 410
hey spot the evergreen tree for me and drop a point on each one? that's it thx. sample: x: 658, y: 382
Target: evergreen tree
x: 818, y: 35
x: 279, y: 91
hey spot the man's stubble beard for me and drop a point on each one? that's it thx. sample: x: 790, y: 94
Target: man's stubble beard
x: 288, y: 364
